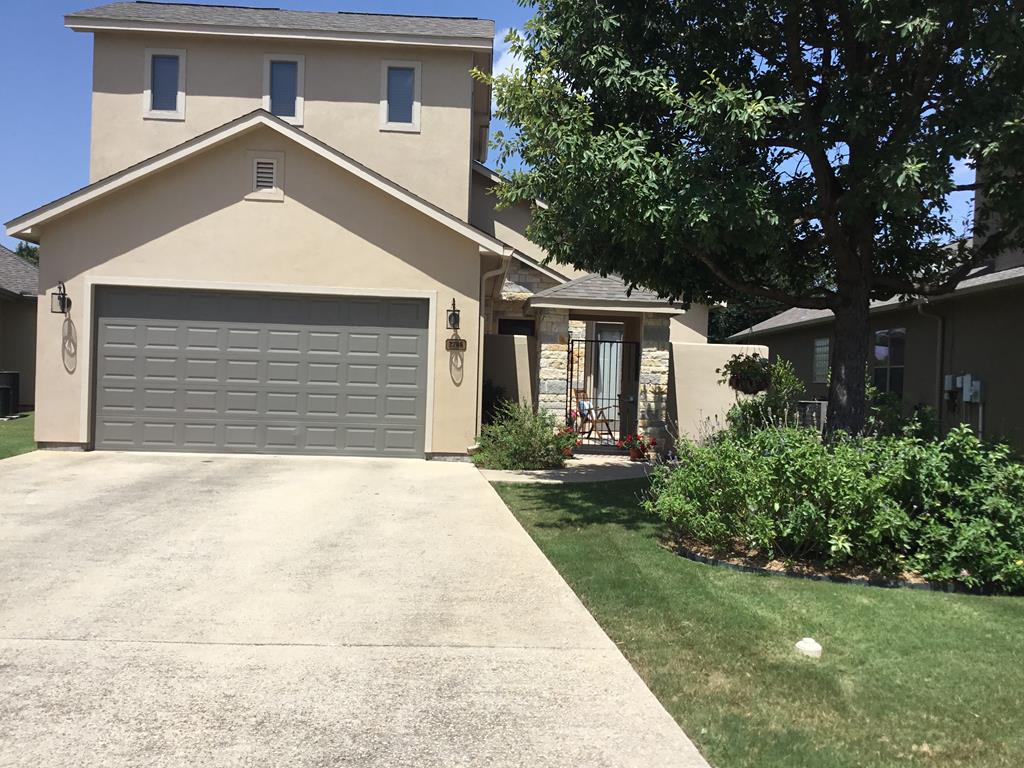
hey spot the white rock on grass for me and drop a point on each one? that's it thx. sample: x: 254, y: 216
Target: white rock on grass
x: 809, y: 647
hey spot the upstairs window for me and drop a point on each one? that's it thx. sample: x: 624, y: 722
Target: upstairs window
x: 889, y: 356
x: 821, y: 361
x: 164, y: 92
x: 400, y: 96
x: 283, y: 78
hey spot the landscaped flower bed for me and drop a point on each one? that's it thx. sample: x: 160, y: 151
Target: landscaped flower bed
x: 948, y: 511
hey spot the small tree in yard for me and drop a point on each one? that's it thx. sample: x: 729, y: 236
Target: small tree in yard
x: 796, y: 152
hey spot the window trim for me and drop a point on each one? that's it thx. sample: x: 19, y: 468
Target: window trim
x: 300, y: 85
x: 275, y: 195
x: 417, y: 101
x: 148, y: 113
x: 818, y: 377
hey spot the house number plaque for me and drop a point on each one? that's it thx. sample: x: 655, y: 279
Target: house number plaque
x: 455, y: 345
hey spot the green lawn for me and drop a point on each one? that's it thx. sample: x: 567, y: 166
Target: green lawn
x: 907, y: 677
x: 17, y: 436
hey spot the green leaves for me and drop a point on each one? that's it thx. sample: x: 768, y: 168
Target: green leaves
x: 950, y: 510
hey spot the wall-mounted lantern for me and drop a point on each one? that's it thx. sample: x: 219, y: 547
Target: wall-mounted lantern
x: 60, y: 302
x: 453, y: 317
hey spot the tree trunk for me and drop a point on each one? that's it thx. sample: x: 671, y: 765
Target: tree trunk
x: 847, y: 406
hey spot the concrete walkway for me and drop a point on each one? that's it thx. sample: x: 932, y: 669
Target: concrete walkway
x: 170, y: 610
x: 585, y: 468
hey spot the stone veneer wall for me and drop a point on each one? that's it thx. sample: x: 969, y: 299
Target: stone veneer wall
x: 553, y: 353
x: 525, y: 276
x: 654, y: 380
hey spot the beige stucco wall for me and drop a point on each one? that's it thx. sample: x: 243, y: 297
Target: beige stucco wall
x: 509, y: 224
x: 224, y: 79
x: 980, y: 338
x: 510, y: 362
x: 690, y: 326
x: 701, y: 401
x: 18, y: 344
x: 190, y: 225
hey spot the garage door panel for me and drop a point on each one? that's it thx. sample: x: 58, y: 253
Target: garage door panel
x: 183, y: 370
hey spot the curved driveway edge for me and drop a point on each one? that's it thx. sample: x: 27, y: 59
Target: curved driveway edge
x: 208, y: 610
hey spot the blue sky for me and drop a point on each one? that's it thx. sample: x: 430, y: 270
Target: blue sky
x: 46, y: 81
x: 45, y: 85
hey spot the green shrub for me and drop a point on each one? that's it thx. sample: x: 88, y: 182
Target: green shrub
x: 521, y: 438
x: 774, y: 408
x: 887, y: 416
x: 949, y: 510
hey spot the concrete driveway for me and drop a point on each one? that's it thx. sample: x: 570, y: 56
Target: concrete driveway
x: 172, y: 610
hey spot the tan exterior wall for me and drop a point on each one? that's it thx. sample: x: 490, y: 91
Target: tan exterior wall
x: 509, y: 224
x: 18, y: 345
x: 510, y: 362
x: 701, y: 401
x: 224, y: 80
x: 690, y: 326
x: 190, y: 225
x: 981, y: 332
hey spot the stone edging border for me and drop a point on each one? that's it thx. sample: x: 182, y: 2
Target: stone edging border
x: 689, y: 554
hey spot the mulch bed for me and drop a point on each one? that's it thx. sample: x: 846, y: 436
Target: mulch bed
x: 756, y: 562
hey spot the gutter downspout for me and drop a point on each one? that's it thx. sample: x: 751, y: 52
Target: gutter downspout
x: 506, y: 260
x: 940, y: 350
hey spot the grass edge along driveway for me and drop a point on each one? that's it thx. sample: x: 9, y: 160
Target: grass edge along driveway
x: 17, y: 436
x: 907, y: 678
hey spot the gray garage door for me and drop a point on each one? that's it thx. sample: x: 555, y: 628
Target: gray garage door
x: 252, y: 373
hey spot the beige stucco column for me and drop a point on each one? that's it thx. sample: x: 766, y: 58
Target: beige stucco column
x: 654, y: 365
x: 552, y: 352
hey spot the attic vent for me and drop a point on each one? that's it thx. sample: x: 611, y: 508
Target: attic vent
x: 264, y: 175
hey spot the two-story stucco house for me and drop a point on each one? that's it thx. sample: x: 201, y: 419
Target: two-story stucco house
x: 285, y: 208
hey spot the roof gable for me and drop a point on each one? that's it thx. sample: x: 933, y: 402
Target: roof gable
x: 595, y: 291
x: 611, y: 288
x: 23, y: 226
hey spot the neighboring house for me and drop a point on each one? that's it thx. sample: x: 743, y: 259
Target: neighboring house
x: 284, y: 207
x: 19, y: 284
x: 924, y: 352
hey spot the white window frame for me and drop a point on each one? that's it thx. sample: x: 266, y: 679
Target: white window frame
x: 300, y: 85
x: 148, y: 113
x: 414, y: 126
x: 817, y: 376
x: 275, y: 195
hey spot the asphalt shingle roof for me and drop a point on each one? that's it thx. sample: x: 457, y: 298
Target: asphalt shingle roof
x: 273, y: 18
x: 798, y: 316
x: 17, y: 276
x: 598, y: 288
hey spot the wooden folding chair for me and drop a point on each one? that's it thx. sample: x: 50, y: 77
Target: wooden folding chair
x: 591, y: 417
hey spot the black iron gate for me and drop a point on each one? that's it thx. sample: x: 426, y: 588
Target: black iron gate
x: 601, y: 387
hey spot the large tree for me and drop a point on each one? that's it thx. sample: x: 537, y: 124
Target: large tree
x: 796, y: 152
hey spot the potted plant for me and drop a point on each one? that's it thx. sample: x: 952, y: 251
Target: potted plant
x: 637, y: 445
x: 748, y: 374
x: 567, y: 439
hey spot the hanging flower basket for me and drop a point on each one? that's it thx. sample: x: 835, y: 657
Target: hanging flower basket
x: 748, y: 374
x: 747, y: 386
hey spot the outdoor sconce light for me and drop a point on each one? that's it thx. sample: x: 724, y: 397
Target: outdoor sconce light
x: 60, y: 302
x: 453, y: 317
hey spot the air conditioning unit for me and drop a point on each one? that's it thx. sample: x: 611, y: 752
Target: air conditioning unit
x: 811, y: 413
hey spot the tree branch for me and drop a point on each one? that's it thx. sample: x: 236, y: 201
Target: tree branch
x: 943, y: 285
x: 807, y: 302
